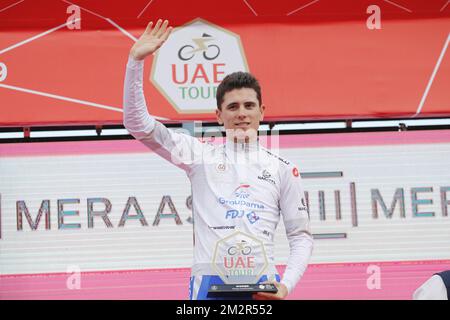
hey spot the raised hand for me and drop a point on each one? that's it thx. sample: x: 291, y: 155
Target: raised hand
x: 151, y: 39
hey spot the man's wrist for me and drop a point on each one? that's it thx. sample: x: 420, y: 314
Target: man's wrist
x: 135, y: 56
x: 133, y: 63
x: 285, y: 286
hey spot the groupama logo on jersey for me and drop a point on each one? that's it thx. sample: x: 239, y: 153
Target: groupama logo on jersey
x: 188, y: 68
x: 240, y: 200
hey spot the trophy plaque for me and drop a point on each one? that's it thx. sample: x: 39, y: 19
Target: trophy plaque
x: 240, y: 260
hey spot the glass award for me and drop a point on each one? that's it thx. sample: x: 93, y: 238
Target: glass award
x: 240, y: 260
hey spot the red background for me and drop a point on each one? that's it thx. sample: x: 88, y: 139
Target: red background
x: 319, y: 62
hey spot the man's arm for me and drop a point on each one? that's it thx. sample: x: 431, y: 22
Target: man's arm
x: 296, y: 221
x: 176, y: 148
x: 136, y: 118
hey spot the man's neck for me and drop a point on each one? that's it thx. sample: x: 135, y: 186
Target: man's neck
x: 241, y: 140
x: 241, y: 145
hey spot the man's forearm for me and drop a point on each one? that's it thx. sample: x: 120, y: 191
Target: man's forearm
x: 136, y: 118
x: 300, y: 252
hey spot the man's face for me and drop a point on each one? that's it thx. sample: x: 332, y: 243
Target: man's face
x: 241, y: 113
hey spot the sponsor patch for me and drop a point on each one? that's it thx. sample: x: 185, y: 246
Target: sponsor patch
x: 266, y: 176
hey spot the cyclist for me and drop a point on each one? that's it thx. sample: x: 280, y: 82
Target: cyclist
x: 238, y: 176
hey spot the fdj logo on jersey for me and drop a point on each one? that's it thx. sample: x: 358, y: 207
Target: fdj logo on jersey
x: 193, y: 61
x: 238, y: 214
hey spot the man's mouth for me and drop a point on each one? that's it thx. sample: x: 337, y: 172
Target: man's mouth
x: 242, y: 124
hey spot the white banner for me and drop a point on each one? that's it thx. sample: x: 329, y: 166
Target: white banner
x: 124, y: 210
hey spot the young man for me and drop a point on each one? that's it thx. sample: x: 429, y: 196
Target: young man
x: 237, y: 186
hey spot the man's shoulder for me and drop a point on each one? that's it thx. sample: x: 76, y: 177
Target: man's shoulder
x: 286, y: 166
x: 276, y: 157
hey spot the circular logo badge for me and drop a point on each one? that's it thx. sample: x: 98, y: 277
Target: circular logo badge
x: 295, y: 172
x: 221, y: 167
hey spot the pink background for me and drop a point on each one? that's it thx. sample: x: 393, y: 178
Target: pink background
x: 321, y: 281
x: 398, y: 280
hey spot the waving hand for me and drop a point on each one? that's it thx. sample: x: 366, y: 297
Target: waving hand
x: 151, y: 39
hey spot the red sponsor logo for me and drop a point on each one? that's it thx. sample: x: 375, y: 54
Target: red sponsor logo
x: 295, y: 172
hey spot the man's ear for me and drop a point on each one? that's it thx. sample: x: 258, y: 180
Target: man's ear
x: 219, y: 116
x: 262, y: 108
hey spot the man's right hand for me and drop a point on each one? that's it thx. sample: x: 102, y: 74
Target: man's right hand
x: 151, y: 40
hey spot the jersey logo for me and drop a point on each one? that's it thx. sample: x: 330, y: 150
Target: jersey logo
x: 266, y: 176
x: 240, y: 200
x: 241, y: 192
x: 221, y: 167
x: 251, y: 216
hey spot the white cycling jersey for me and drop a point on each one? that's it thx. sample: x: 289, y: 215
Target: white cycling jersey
x: 235, y: 187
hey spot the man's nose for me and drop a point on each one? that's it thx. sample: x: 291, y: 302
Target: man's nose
x: 242, y: 112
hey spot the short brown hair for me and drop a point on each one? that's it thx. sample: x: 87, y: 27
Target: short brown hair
x: 237, y: 80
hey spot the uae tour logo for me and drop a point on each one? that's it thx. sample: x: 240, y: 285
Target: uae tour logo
x: 192, y: 63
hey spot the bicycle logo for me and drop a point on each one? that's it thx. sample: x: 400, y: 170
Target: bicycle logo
x: 240, y: 247
x: 209, y: 52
